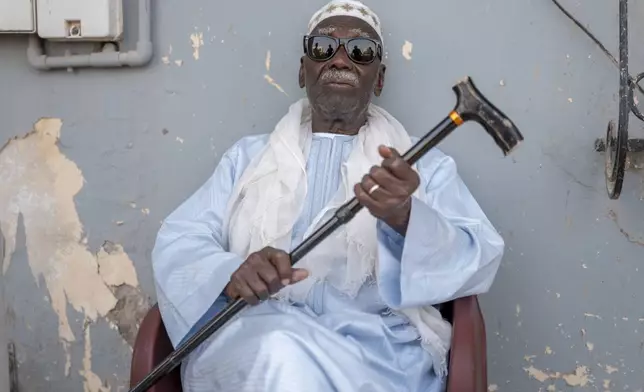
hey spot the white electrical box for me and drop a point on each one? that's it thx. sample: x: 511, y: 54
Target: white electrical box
x: 17, y: 16
x: 85, y: 20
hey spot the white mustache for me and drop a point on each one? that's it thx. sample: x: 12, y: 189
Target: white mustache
x: 339, y: 76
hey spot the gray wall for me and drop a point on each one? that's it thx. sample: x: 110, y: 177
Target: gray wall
x: 565, y: 312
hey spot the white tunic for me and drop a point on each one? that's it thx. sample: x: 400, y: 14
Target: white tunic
x: 330, y: 341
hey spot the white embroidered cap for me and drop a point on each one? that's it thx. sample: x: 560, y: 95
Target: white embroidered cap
x: 352, y: 8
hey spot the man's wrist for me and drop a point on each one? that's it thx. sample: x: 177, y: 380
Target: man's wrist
x: 400, y: 220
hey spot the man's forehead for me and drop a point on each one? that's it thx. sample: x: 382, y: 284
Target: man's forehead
x: 345, y: 24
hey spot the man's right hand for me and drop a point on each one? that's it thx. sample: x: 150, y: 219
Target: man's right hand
x: 263, y: 273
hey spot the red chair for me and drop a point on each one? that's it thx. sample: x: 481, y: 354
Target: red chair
x: 467, y: 362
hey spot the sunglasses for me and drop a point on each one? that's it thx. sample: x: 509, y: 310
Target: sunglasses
x: 360, y: 50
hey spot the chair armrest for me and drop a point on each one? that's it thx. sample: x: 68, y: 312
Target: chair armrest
x: 152, y: 345
x: 468, y: 361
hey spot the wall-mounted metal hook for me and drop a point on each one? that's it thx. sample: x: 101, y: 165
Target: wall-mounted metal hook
x: 616, y: 143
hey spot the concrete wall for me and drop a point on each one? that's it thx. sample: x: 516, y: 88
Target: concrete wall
x: 82, y: 198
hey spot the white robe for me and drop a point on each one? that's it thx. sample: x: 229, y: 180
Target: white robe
x: 328, y: 342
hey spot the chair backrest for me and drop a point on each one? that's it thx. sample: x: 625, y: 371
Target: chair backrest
x: 152, y: 346
x: 468, y: 354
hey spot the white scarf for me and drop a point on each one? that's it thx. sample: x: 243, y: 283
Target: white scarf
x: 269, y: 198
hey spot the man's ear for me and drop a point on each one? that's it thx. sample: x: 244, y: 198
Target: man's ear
x: 380, y: 81
x: 301, y: 78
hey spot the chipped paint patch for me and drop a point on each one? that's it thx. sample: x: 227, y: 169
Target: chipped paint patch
x: 92, y: 381
x: 611, y: 369
x: 493, y: 388
x: 68, y: 358
x: 539, y: 375
x: 196, y: 41
x: 273, y: 83
x: 40, y: 184
x: 115, y: 267
x: 166, y: 59
x: 580, y: 377
x: 406, y: 50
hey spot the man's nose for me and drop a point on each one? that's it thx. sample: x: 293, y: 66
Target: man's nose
x: 341, y: 59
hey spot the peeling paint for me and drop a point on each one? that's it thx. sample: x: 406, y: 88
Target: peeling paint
x: 114, y: 265
x: 267, y: 62
x: 493, y: 388
x: 196, y: 40
x: 611, y: 369
x: 92, y: 381
x: 406, y: 50
x: 166, y: 59
x: 580, y: 377
x: 273, y: 83
x: 540, y: 375
x: 40, y: 183
x: 577, y: 379
x: 68, y: 358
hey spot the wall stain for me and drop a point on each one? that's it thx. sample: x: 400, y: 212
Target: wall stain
x: 196, y: 41
x: 39, y: 184
x: 406, y: 50
x: 578, y: 378
x: 268, y: 78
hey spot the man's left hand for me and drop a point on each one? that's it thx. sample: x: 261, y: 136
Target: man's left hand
x: 386, y: 191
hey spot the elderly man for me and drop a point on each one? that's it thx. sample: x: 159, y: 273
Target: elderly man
x: 359, y: 313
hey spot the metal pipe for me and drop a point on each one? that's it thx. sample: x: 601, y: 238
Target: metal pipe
x: 138, y: 57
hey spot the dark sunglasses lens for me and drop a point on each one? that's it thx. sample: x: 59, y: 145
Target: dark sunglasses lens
x: 321, y: 48
x: 361, y: 50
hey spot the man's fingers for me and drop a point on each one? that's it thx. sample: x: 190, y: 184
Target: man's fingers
x: 385, y: 151
x: 299, y: 274
x: 270, y: 276
x: 282, y: 263
x: 257, y: 285
x: 395, y: 163
x: 246, y: 292
x: 389, y: 185
x: 366, y: 200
